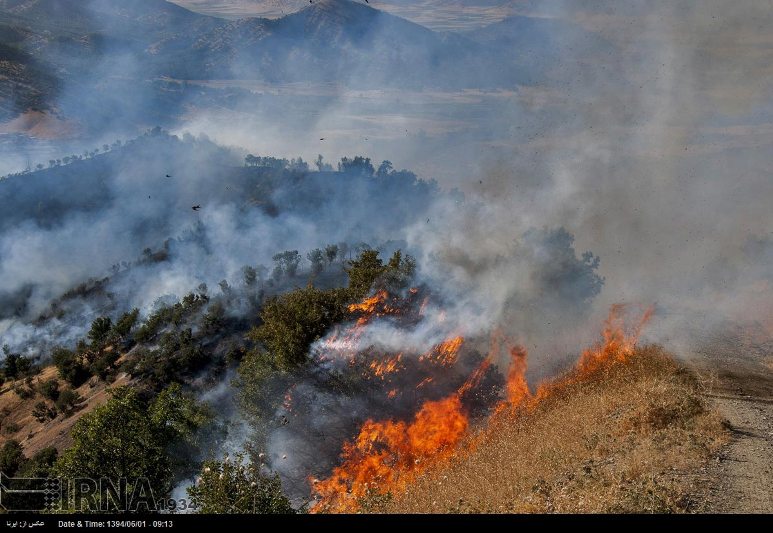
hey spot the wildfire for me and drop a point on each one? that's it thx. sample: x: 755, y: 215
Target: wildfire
x: 374, y: 306
x: 517, y: 389
x: 617, y: 344
x: 387, y: 455
x: 425, y: 381
x: 476, y: 377
x: 444, y: 353
x: 382, y: 368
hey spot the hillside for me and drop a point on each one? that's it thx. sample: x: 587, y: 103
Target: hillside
x: 19, y: 424
x: 115, y: 53
x: 629, y: 438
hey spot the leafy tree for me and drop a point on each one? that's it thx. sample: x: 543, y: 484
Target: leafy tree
x: 250, y: 276
x: 368, y: 270
x: 291, y: 322
x: 225, y: 288
x: 298, y: 165
x: 11, y: 457
x: 317, y: 259
x: 67, y: 401
x: 128, y: 438
x: 50, y: 389
x: 71, y: 366
x: 384, y: 169
x: 231, y: 487
x: 103, y: 364
x: 214, y: 319
x: 15, y: 365
x: 287, y: 262
x: 357, y: 165
x: 100, y: 329
x: 125, y: 323
x: 331, y: 252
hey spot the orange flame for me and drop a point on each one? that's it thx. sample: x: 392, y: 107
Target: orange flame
x: 388, y: 455
x: 475, y: 378
x: 444, y: 353
x: 382, y: 368
x: 617, y: 344
x: 425, y: 381
x: 374, y: 306
x: 517, y: 389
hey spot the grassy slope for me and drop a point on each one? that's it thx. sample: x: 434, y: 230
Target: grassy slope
x: 17, y: 422
x: 628, y: 438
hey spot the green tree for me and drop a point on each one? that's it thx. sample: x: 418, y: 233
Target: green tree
x: 100, y: 329
x: 317, y: 259
x: 15, y: 365
x: 331, y: 252
x: 67, y: 402
x: 125, y: 323
x: 369, y: 271
x: 50, y: 389
x: 287, y: 263
x: 128, y: 438
x: 231, y: 487
x: 358, y: 164
x: 384, y: 169
x: 250, y: 276
x: 71, y: 366
x: 291, y: 322
x: 42, y: 412
x: 11, y: 457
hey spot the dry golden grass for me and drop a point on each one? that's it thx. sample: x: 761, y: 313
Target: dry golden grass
x: 627, y: 438
x: 17, y: 422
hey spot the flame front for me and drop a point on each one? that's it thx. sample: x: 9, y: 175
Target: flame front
x: 445, y: 353
x: 385, y: 456
x: 617, y: 344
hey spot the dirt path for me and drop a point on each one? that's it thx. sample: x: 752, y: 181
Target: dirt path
x: 744, y: 470
x: 739, y: 371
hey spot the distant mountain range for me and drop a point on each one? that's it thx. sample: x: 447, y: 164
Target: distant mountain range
x: 47, y: 44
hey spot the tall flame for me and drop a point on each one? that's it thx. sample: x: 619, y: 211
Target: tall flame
x: 387, y: 455
x: 617, y: 344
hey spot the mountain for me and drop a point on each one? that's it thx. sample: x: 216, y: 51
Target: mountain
x: 101, y: 61
x: 339, y: 41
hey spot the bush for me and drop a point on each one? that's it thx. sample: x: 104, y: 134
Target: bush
x: 16, y: 365
x: 43, y: 412
x: 67, y: 401
x: 230, y: 487
x: 50, y: 389
x: 71, y: 366
x: 9, y: 428
x: 11, y: 457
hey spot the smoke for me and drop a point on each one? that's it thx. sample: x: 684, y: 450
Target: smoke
x: 623, y: 155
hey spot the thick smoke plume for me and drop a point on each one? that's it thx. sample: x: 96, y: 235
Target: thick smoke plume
x: 627, y: 158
